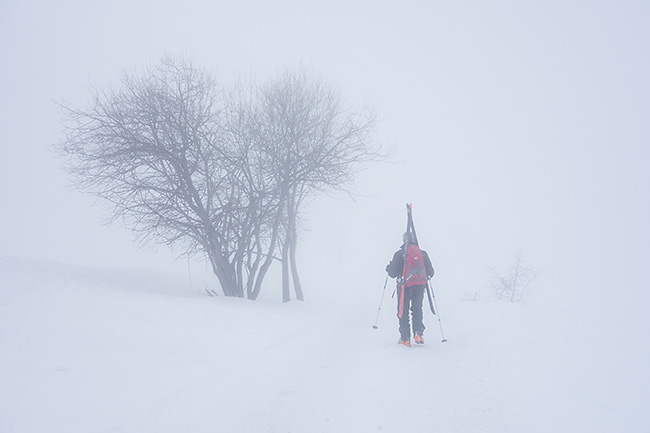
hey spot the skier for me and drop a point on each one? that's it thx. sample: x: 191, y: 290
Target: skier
x: 411, y: 266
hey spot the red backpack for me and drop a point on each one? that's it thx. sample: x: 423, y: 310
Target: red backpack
x: 414, y: 271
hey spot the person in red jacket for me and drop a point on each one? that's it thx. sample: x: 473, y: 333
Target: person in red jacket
x: 412, y: 267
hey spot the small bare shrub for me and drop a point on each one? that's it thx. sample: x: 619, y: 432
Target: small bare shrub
x: 516, y: 284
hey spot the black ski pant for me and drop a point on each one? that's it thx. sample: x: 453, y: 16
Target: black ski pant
x: 410, y: 298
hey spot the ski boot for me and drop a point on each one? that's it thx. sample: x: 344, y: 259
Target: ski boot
x: 406, y: 343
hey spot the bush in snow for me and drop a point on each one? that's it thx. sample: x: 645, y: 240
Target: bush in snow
x: 516, y: 284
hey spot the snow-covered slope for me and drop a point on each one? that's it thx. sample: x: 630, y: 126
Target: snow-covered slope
x: 90, y: 350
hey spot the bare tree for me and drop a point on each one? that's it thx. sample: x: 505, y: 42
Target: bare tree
x: 315, y: 145
x: 157, y: 149
x: 514, y: 286
x: 221, y: 173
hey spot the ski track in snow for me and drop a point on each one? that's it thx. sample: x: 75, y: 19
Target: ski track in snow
x: 85, y: 350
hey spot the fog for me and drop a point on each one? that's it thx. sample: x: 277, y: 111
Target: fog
x: 512, y: 126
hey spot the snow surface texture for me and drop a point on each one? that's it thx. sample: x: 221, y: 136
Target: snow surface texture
x: 91, y: 350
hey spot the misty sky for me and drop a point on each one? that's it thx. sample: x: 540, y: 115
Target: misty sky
x: 514, y: 125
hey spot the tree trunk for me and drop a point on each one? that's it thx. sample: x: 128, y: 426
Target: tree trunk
x: 274, y: 240
x: 294, y: 271
x: 224, y: 271
x: 286, y: 289
x: 225, y: 277
x: 292, y: 240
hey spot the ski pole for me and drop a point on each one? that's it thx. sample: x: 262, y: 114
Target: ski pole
x: 433, y: 297
x: 380, y: 302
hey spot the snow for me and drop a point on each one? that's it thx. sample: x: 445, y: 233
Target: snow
x: 114, y: 350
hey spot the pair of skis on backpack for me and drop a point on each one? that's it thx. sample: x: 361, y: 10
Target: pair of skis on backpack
x: 410, y: 228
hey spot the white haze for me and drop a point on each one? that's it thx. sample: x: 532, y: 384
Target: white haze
x: 514, y: 125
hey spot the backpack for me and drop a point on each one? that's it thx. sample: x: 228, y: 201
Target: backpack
x: 414, y: 270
